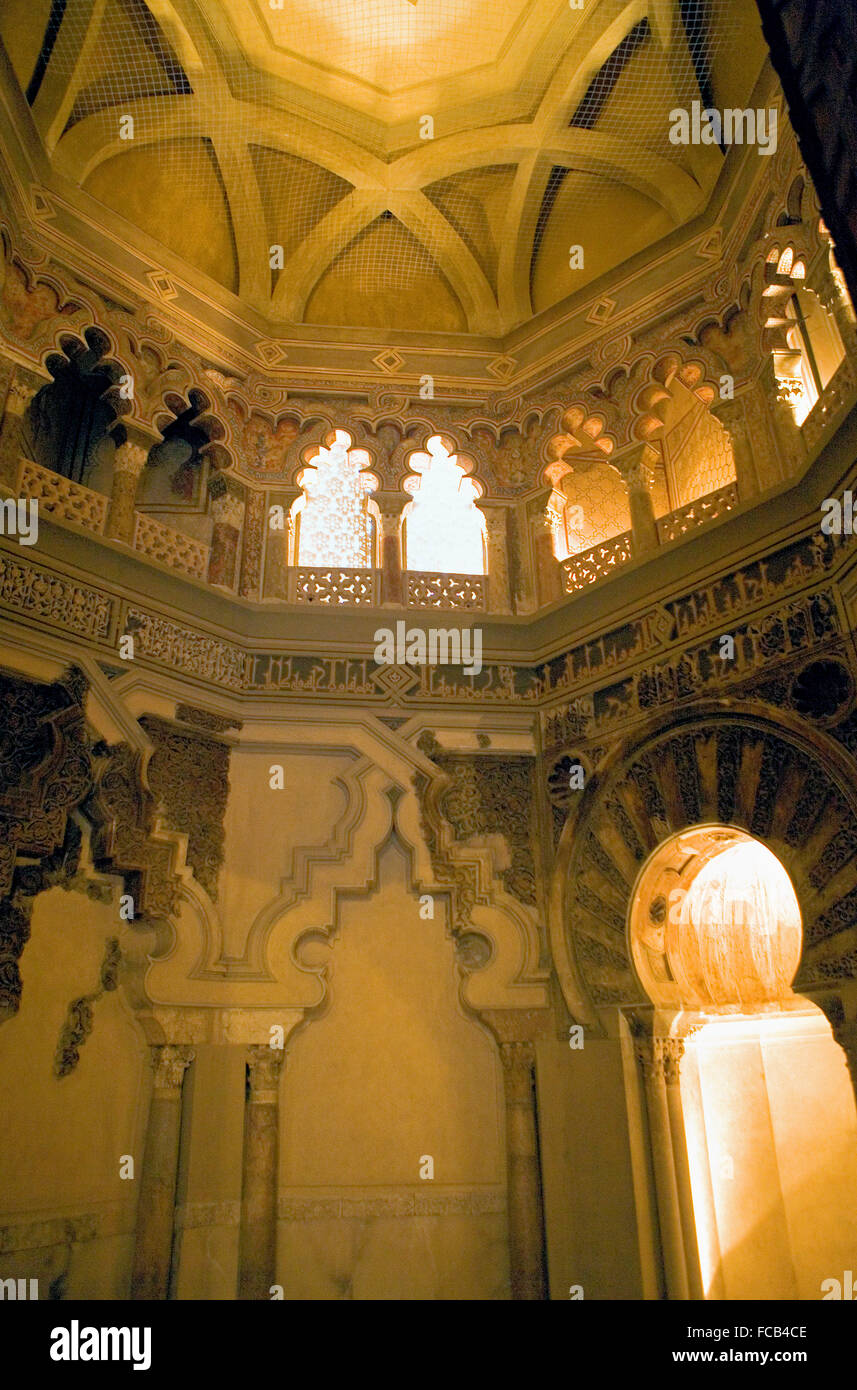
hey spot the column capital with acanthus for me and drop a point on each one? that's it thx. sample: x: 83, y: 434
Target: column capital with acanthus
x: 264, y: 1063
x: 169, y: 1063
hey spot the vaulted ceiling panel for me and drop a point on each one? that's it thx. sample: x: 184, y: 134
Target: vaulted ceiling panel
x: 295, y: 194
x: 607, y: 230
x: 300, y: 127
x: 144, y: 187
x: 475, y: 203
x: 386, y: 279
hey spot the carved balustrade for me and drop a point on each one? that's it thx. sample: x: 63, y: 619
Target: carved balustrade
x: 60, y: 498
x: 170, y: 547
x: 333, y: 586
x: 435, y: 590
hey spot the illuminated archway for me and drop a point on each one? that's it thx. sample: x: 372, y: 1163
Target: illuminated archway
x: 746, y: 1076
x: 716, y: 924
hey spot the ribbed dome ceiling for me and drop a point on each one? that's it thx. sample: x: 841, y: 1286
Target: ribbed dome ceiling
x: 420, y: 165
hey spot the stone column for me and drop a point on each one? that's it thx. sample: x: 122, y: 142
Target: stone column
x: 731, y: 415
x: 227, y: 512
x: 834, y: 298
x: 257, y: 1247
x: 547, y: 528
x: 392, y: 575
x: 671, y: 1052
x: 499, y: 598
x: 22, y: 389
x: 651, y: 1058
x: 791, y: 448
x: 525, y: 1209
x: 250, y: 585
x: 636, y: 468
x: 128, y: 464
x: 150, y: 1274
x: 555, y: 520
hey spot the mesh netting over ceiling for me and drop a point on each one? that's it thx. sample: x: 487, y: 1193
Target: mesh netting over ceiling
x: 300, y: 126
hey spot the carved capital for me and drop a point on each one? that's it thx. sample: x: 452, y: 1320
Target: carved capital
x: 660, y: 1058
x: 637, y: 465
x: 169, y: 1063
x: 228, y: 510
x: 731, y: 415
x: 21, y: 392
x: 554, y: 514
x: 265, y: 1065
x: 130, y: 459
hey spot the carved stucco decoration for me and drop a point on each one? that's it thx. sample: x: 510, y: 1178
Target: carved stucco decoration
x: 477, y: 797
x: 44, y: 765
x: 81, y: 1012
x: 123, y: 813
x: 189, y: 775
x: 492, y: 795
x: 58, y: 869
x: 787, y: 785
x: 48, y: 770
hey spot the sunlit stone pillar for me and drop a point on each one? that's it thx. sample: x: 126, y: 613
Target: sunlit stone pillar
x: 636, y: 468
x: 150, y: 1273
x: 549, y: 541
x: 791, y: 448
x: 257, y: 1248
x: 525, y: 1208
x: 499, y: 594
x: 129, y: 461
x: 227, y: 512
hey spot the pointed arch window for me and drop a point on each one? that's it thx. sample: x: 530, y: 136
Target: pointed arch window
x: 443, y: 529
x: 335, y: 521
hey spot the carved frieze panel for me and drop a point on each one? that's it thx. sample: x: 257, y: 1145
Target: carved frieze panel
x: 193, y: 653
x: 31, y: 588
x: 774, y: 608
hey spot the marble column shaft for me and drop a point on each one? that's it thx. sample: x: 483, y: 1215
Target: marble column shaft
x: 663, y: 1164
x: 525, y: 1209
x: 150, y: 1275
x: 636, y: 469
x: 257, y: 1247
x: 128, y: 463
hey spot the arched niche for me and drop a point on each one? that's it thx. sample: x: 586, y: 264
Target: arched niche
x: 70, y: 419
